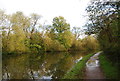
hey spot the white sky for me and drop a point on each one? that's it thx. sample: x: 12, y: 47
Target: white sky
x: 71, y: 10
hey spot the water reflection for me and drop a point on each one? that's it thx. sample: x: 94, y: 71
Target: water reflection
x: 39, y: 66
x: 6, y: 75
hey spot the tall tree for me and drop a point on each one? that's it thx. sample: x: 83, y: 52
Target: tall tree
x: 19, y: 27
x: 34, y: 22
x: 104, y: 21
x: 60, y: 29
x: 60, y: 25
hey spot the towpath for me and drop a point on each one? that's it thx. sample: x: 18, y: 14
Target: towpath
x: 93, y: 70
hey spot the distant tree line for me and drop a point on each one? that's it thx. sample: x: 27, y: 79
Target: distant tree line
x: 22, y: 33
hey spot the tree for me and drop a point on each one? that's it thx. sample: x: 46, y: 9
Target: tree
x: 66, y: 39
x: 5, y: 25
x: 60, y: 25
x: 34, y: 19
x: 105, y: 23
x: 19, y: 27
x: 36, y: 42
x: 77, y: 32
x: 61, y: 31
x: 90, y: 43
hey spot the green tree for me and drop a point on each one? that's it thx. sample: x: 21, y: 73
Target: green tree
x: 61, y: 31
x: 52, y: 44
x: 105, y: 23
x: 60, y: 25
x: 36, y: 42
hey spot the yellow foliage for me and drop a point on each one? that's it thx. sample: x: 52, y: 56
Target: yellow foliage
x: 53, y: 45
x: 90, y: 43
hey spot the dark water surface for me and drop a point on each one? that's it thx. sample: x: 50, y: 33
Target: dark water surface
x: 38, y: 66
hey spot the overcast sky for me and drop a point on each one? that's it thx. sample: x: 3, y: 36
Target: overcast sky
x: 72, y: 10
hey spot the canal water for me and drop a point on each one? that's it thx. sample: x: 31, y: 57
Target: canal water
x: 39, y: 66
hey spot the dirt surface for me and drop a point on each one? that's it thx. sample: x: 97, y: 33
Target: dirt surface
x: 93, y: 70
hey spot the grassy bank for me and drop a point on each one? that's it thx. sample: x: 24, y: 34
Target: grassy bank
x: 110, y: 71
x: 77, y: 71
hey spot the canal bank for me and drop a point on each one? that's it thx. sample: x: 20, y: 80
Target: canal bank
x: 77, y: 72
x: 110, y: 71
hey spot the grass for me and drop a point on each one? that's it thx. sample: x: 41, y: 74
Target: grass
x: 77, y: 71
x: 110, y: 71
